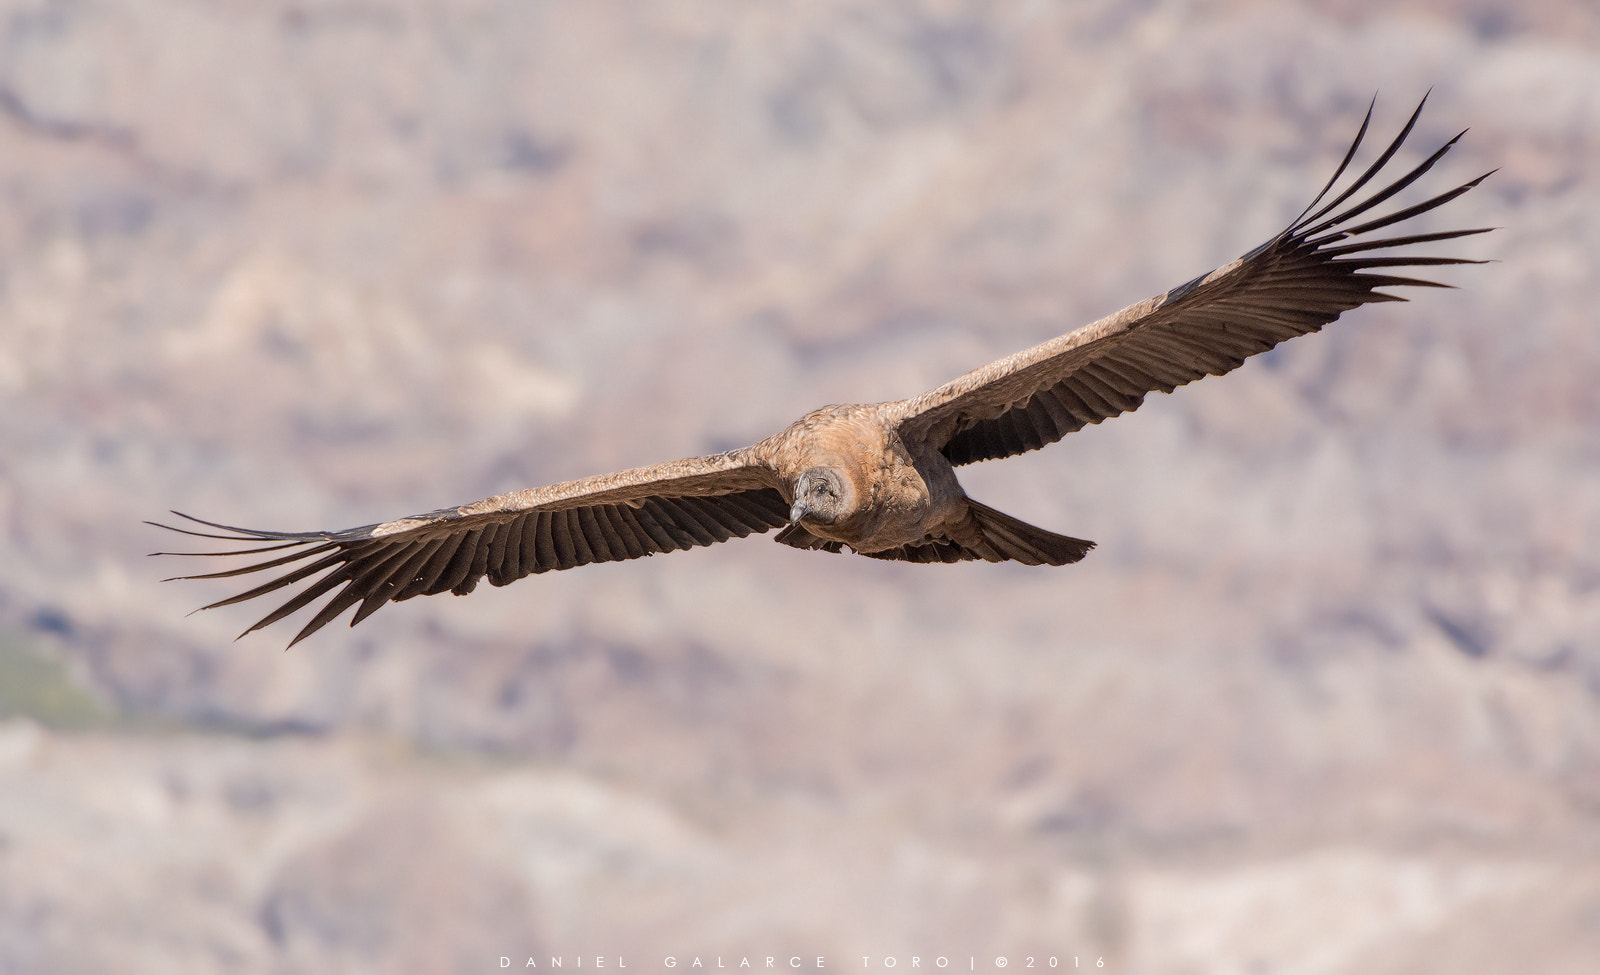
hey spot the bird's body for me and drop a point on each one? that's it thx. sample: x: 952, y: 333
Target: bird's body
x: 905, y: 493
x: 899, y: 497
x: 880, y: 478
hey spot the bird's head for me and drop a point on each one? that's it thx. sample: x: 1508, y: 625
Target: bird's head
x: 822, y: 495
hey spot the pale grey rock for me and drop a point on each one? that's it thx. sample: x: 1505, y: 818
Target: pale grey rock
x: 1331, y: 703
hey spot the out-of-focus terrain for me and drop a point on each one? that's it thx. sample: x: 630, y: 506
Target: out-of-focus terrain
x: 1326, y: 699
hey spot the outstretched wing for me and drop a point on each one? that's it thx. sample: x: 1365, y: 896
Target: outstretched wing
x: 606, y: 518
x: 1316, y: 269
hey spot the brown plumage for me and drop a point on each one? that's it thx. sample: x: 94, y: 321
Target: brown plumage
x: 879, y: 478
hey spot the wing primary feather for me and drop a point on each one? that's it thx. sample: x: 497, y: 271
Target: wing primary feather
x: 1382, y: 194
x: 243, y: 535
x: 262, y: 533
x: 387, y: 580
x: 1419, y: 208
x: 1401, y: 260
x: 430, y: 571
x: 363, y: 581
x: 283, y: 580
x: 1393, y: 281
x: 1344, y: 163
x: 341, y: 601
x: 319, y: 587
x: 1372, y: 245
x: 1372, y: 170
x: 254, y: 566
x: 238, y: 551
x: 406, y: 572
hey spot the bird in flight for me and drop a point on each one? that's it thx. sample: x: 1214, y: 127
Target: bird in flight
x: 880, y: 479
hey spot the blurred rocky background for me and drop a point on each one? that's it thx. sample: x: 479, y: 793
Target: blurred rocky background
x: 1326, y: 699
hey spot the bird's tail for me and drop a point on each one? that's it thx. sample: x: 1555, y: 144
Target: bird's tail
x: 1023, y: 542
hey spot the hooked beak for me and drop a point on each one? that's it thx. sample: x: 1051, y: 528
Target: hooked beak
x: 798, y: 511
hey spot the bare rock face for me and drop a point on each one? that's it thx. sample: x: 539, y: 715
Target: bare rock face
x: 1323, y: 700
x: 371, y: 897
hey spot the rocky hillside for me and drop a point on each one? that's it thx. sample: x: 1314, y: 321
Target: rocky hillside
x: 1325, y: 700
